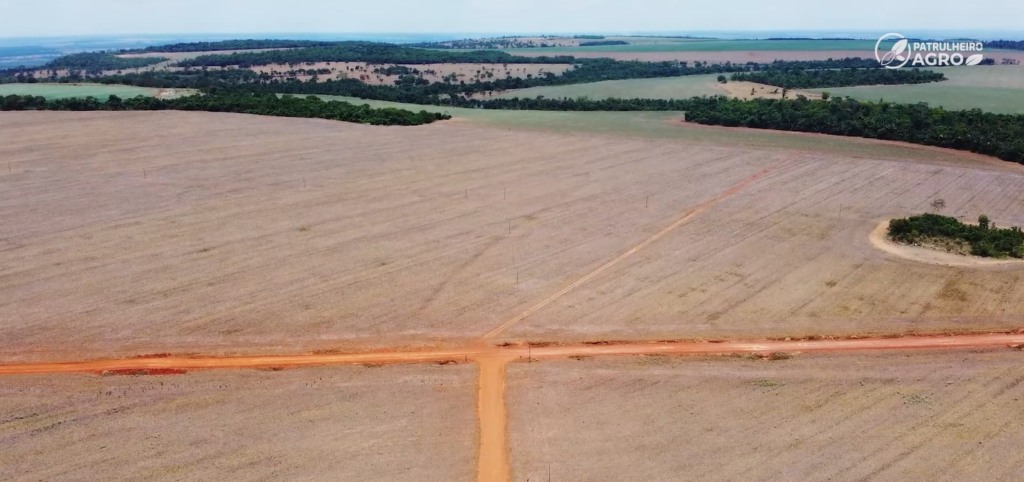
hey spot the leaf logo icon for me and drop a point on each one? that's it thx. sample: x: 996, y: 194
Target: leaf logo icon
x: 974, y: 59
x: 896, y: 53
x: 898, y: 48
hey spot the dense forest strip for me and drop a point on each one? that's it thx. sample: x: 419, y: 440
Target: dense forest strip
x: 813, y: 79
x: 97, y: 62
x: 238, y: 102
x: 246, y: 44
x: 1005, y: 44
x: 371, y: 52
x: 599, y: 43
x: 997, y: 135
x: 983, y: 239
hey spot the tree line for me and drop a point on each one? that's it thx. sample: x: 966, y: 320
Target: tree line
x: 812, y: 79
x: 97, y: 62
x: 598, y: 43
x: 371, y: 52
x: 1005, y: 44
x: 246, y: 44
x: 984, y: 239
x: 999, y: 135
x: 233, y: 101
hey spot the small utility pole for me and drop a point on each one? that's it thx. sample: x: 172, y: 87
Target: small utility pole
x: 510, y: 227
x: 647, y: 201
x: 144, y: 174
x: 303, y: 183
x: 504, y: 194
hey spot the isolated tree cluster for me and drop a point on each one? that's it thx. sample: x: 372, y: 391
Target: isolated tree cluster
x: 985, y: 239
x: 813, y: 79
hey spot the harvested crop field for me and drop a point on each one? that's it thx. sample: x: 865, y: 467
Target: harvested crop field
x: 341, y: 423
x: 879, y: 416
x: 175, y: 232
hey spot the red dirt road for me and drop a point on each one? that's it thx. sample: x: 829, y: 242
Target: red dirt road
x: 519, y: 352
x: 493, y: 462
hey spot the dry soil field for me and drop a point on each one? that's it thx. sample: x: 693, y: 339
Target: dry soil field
x: 882, y: 416
x: 181, y: 233
x: 340, y: 423
x: 153, y: 232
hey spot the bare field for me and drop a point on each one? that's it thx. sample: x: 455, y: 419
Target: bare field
x: 752, y: 90
x: 340, y: 423
x: 882, y: 416
x: 155, y: 232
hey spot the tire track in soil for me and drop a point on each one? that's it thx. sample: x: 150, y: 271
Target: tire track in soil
x: 687, y: 216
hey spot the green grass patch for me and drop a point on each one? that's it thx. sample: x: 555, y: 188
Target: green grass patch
x: 667, y: 125
x: 69, y: 91
x: 997, y: 88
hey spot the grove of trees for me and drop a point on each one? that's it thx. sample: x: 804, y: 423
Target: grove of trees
x: 812, y: 79
x: 985, y: 239
x: 97, y: 62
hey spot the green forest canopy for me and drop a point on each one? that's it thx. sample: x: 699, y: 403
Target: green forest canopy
x: 234, y: 101
x: 814, y: 79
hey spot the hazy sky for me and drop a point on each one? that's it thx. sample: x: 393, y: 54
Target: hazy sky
x: 83, y: 17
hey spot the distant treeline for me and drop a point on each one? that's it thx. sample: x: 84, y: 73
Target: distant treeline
x: 233, y: 101
x: 586, y: 70
x: 598, y: 43
x: 1005, y: 44
x: 371, y: 52
x: 998, y: 135
x: 985, y: 239
x: 438, y: 93
x: 96, y: 62
x: 247, y: 44
x: 811, y: 79
x: 810, y: 38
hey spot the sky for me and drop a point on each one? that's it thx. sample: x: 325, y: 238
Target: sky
x: 40, y: 18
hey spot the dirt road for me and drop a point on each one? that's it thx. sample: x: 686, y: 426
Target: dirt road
x: 518, y: 353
